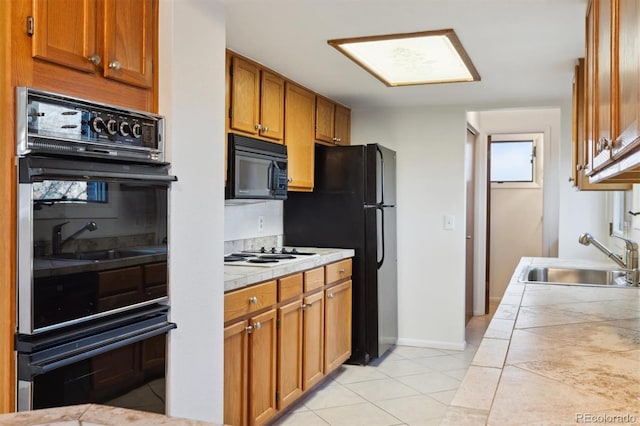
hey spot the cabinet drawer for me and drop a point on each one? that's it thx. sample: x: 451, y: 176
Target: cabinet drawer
x: 155, y: 273
x: 338, y: 271
x: 289, y: 287
x: 313, y: 279
x: 250, y: 299
x: 119, y: 281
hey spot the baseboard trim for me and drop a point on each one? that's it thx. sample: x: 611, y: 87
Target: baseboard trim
x: 434, y: 344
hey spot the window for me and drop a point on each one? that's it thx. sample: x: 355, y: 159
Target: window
x: 516, y: 160
x: 51, y: 191
x: 512, y: 161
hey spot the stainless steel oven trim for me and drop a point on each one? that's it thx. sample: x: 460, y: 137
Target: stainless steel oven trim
x: 25, y: 259
x: 52, y: 172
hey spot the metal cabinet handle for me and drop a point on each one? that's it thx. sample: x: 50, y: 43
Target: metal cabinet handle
x: 248, y: 329
x: 330, y: 295
x: 603, y: 143
x: 95, y: 59
x: 265, y: 129
x: 253, y: 300
x: 257, y: 326
x: 258, y: 127
x: 115, y: 65
x: 342, y: 271
x: 290, y: 180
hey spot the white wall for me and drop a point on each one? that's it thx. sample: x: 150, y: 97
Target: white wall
x: 580, y: 211
x: 192, y: 96
x: 241, y: 221
x: 430, y: 184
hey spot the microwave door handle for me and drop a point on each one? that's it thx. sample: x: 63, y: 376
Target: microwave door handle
x: 270, y: 172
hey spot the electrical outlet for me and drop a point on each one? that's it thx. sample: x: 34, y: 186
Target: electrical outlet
x: 260, y: 223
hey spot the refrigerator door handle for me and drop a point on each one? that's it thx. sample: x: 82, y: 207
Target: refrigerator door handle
x: 381, y: 261
x: 379, y: 151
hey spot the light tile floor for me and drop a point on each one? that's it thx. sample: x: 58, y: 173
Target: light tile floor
x: 408, y: 386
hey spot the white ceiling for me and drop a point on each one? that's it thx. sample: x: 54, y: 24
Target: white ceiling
x: 524, y: 50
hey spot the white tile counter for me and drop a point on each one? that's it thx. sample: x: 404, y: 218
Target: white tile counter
x: 236, y: 277
x: 555, y: 354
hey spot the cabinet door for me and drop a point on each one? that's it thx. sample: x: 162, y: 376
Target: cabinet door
x: 313, y: 340
x: 342, y: 125
x: 299, y: 132
x: 337, y: 343
x: 262, y: 367
x: 324, y: 120
x: 627, y: 62
x: 245, y: 93
x: 236, y: 379
x: 129, y: 39
x: 603, y: 83
x: 271, y: 106
x: 65, y: 32
x: 289, y: 353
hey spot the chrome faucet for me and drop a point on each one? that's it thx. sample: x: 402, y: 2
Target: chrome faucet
x: 630, y: 264
x: 56, y: 235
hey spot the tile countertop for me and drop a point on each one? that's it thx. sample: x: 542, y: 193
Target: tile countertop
x: 93, y: 415
x: 236, y: 277
x: 555, y: 354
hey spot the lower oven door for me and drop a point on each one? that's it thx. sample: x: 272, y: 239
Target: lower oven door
x: 120, y: 362
x: 92, y: 240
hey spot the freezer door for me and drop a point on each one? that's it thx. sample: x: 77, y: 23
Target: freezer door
x: 387, y: 278
x: 381, y: 184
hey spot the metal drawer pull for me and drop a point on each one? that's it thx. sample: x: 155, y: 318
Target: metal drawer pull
x: 330, y: 296
x: 253, y: 300
x: 342, y: 271
x: 257, y: 326
x: 95, y: 59
x: 115, y: 65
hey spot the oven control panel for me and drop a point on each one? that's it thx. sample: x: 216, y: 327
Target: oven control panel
x: 58, y: 124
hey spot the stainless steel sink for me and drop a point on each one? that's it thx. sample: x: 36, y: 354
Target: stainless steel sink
x: 574, y: 276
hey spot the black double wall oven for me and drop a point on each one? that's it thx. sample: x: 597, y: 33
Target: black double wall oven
x: 92, y: 301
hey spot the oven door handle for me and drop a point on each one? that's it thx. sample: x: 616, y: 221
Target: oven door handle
x: 27, y: 371
x: 52, y: 173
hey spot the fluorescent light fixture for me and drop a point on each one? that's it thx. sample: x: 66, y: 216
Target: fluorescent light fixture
x: 426, y: 57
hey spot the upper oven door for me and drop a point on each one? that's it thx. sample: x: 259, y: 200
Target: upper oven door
x: 92, y: 240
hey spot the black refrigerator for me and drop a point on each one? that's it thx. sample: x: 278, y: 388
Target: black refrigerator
x: 353, y: 205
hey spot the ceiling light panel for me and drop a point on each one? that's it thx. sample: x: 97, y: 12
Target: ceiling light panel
x: 410, y: 59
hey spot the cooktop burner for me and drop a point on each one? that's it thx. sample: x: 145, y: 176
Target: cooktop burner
x: 266, y: 257
x: 283, y: 250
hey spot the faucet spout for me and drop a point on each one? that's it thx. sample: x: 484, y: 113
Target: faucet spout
x: 630, y: 264
x: 56, y: 236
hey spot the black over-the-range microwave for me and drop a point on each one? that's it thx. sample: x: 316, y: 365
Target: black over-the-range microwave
x: 256, y: 169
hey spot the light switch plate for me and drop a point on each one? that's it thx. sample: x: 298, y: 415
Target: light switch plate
x: 449, y: 222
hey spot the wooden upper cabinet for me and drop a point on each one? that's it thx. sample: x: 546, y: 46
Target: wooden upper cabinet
x: 64, y: 32
x: 579, y: 139
x: 299, y: 132
x: 626, y: 67
x: 129, y: 39
x: 333, y: 122
x: 603, y: 82
x: 324, y: 120
x: 271, y: 106
x: 342, y: 125
x: 256, y: 106
x: 113, y: 37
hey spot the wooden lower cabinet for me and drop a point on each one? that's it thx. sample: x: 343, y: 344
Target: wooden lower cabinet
x: 289, y: 353
x: 236, y: 373
x: 262, y: 367
x: 337, y: 336
x: 313, y: 340
x: 278, y: 346
x: 250, y: 370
